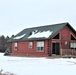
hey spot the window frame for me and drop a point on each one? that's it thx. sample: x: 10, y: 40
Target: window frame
x: 73, y: 45
x: 56, y: 35
x: 71, y: 34
x: 16, y: 46
x: 30, y: 44
x: 40, y: 46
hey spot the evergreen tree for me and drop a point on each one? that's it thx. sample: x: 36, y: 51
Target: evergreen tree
x: 3, y: 43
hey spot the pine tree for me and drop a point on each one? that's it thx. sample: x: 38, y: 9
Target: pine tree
x: 3, y: 43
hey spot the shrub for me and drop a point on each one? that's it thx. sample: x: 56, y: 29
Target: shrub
x: 6, y: 73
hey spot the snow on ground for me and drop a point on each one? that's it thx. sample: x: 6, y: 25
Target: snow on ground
x: 37, y: 65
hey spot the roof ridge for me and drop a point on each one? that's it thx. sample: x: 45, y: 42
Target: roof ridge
x: 47, y: 25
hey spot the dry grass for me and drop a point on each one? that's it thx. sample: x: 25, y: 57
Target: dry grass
x: 6, y: 73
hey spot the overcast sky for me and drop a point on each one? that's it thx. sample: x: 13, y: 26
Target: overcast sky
x: 16, y: 15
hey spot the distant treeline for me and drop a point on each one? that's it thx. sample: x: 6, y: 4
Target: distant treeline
x: 3, y: 43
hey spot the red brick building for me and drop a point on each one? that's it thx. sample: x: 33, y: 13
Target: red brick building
x: 43, y: 40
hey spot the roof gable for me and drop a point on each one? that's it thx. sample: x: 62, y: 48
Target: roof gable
x: 39, y: 33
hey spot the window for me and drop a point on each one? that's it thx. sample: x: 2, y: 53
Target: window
x: 15, y: 45
x: 40, y: 46
x: 57, y: 36
x: 30, y: 44
x: 72, y: 37
x: 73, y: 45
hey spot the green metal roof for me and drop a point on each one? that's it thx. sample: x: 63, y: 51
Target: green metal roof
x: 54, y: 28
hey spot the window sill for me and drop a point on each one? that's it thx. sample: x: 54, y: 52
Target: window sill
x: 40, y: 51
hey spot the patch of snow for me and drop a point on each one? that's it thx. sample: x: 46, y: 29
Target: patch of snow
x: 44, y: 34
x: 37, y: 65
x: 19, y: 37
x: 36, y: 31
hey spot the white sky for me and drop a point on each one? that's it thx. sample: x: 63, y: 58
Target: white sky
x: 16, y: 15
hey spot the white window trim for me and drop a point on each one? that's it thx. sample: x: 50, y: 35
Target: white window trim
x: 40, y: 46
x: 30, y: 44
x: 73, y: 45
x: 72, y: 35
x: 16, y: 46
x: 59, y: 36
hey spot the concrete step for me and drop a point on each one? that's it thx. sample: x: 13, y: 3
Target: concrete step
x: 55, y: 56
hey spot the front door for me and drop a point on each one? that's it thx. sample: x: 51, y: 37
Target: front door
x: 56, y: 48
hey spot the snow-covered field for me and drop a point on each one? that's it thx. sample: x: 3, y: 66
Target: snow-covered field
x: 37, y: 66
